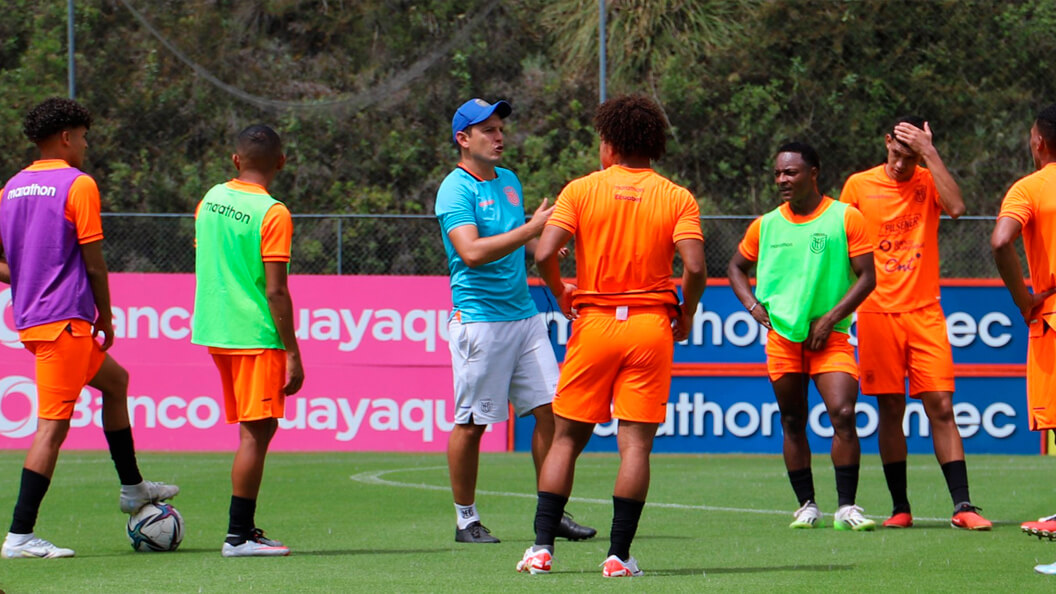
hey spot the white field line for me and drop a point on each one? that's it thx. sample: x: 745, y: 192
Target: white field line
x: 374, y: 477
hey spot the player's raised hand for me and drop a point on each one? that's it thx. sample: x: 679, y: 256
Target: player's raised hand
x: 294, y: 373
x: 541, y: 215
x: 104, y: 325
x: 915, y: 138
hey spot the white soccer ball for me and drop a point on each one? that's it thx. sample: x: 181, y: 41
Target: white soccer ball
x: 155, y: 527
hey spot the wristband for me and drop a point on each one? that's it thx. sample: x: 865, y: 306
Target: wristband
x: 754, y: 305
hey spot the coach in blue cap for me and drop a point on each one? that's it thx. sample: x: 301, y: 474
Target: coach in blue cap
x: 500, y: 350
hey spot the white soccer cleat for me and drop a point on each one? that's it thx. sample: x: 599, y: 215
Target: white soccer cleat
x: 1049, y: 569
x: 808, y: 516
x: 134, y: 497
x: 536, y: 562
x: 34, y: 548
x: 849, y: 517
x: 613, y: 566
x: 257, y: 545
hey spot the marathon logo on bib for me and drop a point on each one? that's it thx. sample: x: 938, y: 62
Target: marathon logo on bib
x: 512, y: 196
x: 31, y: 190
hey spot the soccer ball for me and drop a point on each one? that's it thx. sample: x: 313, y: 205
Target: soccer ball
x: 155, y: 527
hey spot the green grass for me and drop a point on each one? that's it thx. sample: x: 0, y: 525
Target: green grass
x: 372, y: 535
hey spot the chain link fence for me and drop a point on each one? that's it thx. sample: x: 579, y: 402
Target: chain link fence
x: 412, y: 245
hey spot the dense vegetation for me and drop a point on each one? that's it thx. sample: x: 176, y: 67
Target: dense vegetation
x: 363, y: 91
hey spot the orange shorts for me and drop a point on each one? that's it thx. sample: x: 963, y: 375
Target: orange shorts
x: 64, y: 366
x: 894, y: 345
x: 1041, y: 376
x: 617, y: 368
x: 253, y: 380
x: 784, y: 356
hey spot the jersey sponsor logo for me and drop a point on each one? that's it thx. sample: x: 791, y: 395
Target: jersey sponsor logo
x: 818, y: 241
x: 226, y: 210
x: 627, y: 197
x: 511, y: 196
x: 899, y: 245
x: 784, y: 244
x: 486, y: 203
x: 32, y: 190
x: 907, y: 265
x: 899, y: 226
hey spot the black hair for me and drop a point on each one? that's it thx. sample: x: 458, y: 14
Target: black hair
x: 260, y: 146
x: 1046, y: 123
x: 810, y: 156
x: 633, y: 125
x: 53, y: 116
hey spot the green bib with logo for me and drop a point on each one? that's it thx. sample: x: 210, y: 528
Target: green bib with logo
x: 803, y: 270
x: 230, y: 304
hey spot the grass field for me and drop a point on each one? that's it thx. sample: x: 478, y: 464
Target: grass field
x: 384, y: 523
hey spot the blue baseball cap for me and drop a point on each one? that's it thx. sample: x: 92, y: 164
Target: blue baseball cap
x: 476, y: 111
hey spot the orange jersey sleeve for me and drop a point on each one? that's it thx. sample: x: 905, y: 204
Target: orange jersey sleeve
x: 83, y: 209
x: 688, y: 225
x: 858, y: 240
x: 276, y: 234
x: 1017, y: 205
x: 749, y: 246
x: 564, y: 215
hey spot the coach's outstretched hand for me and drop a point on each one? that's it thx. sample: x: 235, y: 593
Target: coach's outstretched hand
x: 540, y: 216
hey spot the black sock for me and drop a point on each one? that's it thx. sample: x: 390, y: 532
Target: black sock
x: 30, y: 494
x: 802, y: 484
x: 241, y: 523
x: 846, y: 483
x: 123, y: 453
x: 548, y: 514
x: 625, y: 516
x: 895, y: 473
x: 956, y: 473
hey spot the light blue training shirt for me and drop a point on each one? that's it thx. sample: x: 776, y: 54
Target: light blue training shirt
x: 496, y: 291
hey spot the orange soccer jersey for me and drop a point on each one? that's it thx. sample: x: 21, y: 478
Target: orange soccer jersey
x: 633, y: 219
x: 903, y: 221
x: 626, y: 223
x: 1032, y: 203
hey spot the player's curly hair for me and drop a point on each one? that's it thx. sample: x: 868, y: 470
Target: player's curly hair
x: 1046, y: 123
x: 53, y: 116
x: 633, y: 125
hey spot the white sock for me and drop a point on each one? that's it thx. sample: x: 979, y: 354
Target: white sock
x: 17, y: 540
x: 466, y: 515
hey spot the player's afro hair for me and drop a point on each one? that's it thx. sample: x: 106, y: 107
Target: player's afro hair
x: 633, y: 125
x: 1046, y: 124
x: 53, y: 116
x: 810, y: 156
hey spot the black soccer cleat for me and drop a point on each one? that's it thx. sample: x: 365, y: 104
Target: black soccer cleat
x: 475, y: 533
x: 573, y: 531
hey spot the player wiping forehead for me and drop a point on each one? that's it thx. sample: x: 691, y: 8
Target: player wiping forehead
x: 52, y: 235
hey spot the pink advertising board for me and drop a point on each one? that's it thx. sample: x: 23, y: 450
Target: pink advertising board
x: 377, y: 367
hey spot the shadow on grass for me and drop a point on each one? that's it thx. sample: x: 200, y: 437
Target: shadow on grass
x: 736, y: 570
x: 343, y: 552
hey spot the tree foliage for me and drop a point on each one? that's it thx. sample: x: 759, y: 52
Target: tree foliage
x: 363, y: 92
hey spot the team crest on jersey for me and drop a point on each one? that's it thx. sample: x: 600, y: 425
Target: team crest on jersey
x: 918, y: 195
x: 818, y: 242
x: 512, y: 196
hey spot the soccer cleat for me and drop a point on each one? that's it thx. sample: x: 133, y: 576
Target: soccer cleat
x: 535, y: 562
x: 849, y: 517
x: 1043, y: 528
x: 899, y: 520
x: 613, y: 566
x: 967, y: 516
x: 34, y: 548
x: 806, y: 517
x: 134, y: 497
x: 573, y: 531
x: 1049, y: 569
x: 475, y: 532
x: 257, y: 545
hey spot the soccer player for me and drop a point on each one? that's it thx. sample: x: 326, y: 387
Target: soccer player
x: 628, y: 221
x: 814, y: 265
x: 52, y: 236
x: 244, y: 314
x: 901, y: 327
x: 1029, y: 209
x: 500, y: 351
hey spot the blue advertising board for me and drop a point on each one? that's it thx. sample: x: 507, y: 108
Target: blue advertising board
x: 716, y: 412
